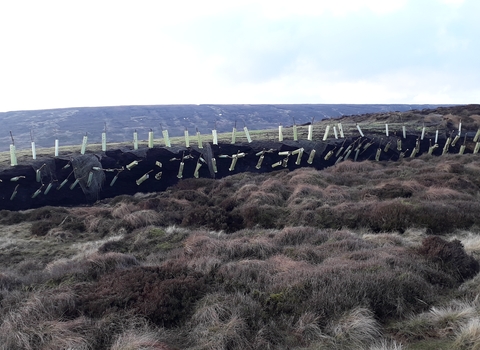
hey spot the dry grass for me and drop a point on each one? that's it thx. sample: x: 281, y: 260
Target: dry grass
x: 85, y: 249
x: 356, y: 329
x: 38, y: 323
x: 139, y: 335
x: 468, y: 336
x: 442, y: 193
x: 308, y: 328
x: 470, y: 240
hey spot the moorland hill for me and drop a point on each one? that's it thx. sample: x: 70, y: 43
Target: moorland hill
x: 70, y: 124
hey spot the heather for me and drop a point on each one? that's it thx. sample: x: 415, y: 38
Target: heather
x: 362, y: 255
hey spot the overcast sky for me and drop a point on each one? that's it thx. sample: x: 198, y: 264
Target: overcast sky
x: 58, y: 54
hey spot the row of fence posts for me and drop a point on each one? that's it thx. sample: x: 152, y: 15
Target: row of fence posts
x: 338, y: 132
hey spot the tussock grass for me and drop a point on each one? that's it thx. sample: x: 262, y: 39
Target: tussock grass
x: 470, y: 241
x: 386, y: 345
x: 38, y: 323
x: 308, y: 328
x: 141, y: 218
x: 139, y: 335
x: 84, y: 249
x: 442, y: 193
x: 355, y: 329
x: 468, y: 336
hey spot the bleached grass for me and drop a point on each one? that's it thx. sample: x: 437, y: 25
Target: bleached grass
x: 138, y: 339
x: 355, y: 329
x: 38, y: 324
x: 307, y: 327
x: 454, y: 314
x: 386, y: 345
x: 218, y: 322
x: 386, y: 239
x: 86, y: 249
x: 470, y: 241
x: 468, y: 336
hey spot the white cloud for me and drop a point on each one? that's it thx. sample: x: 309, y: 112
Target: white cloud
x: 60, y: 54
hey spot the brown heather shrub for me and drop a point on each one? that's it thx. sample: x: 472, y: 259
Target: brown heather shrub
x: 389, y: 286
x: 306, y: 176
x: 102, y: 225
x: 41, y: 228
x: 124, y: 198
x: 206, y: 264
x: 172, y: 204
x: 347, y: 214
x: 8, y: 217
x: 443, y: 193
x: 200, y: 243
x: 391, y: 190
x: 305, y: 252
x: 245, y: 248
x: 446, y: 216
x: 448, y: 166
x: 465, y: 185
x: 228, y: 204
x: 450, y: 256
x: 52, y: 213
x: 150, y: 203
x: 96, y: 211
x: 141, y: 218
x: 8, y: 281
x: 66, y: 222
x: 349, y: 166
x: 121, y: 209
x: 387, y: 291
x: 164, y: 294
x: 197, y: 197
x: 388, y: 215
x: 333, y: 247
x: 244, y: 275
x: 100, y: 264
x: 265, y: 216
x: 299, y: 205
x: 306, y: 191
x: 28, y: 265
x: 60, y: 269
x: 386, y: 239
x: 294, y: 235
x: 213, y: 218
x: 432, y: 178
x: 87, y: 268
x: 336, y: 194
x: 259, y: 198
x: 243, y: 193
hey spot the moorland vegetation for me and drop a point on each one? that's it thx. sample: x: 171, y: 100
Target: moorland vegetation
x: 362, y: 255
